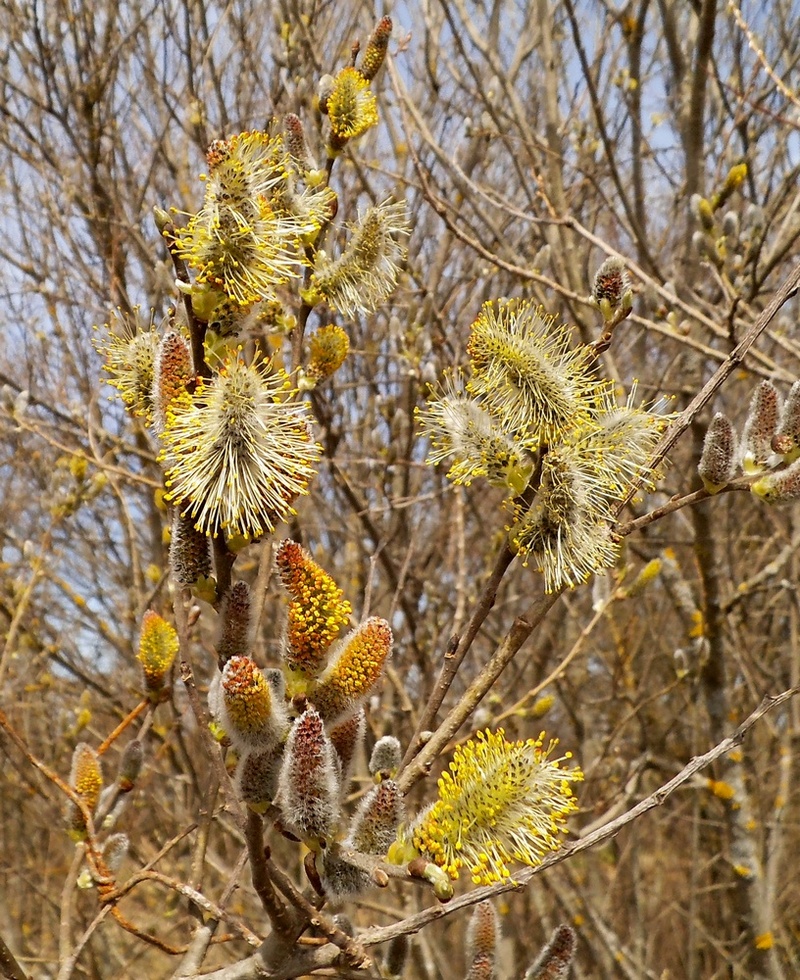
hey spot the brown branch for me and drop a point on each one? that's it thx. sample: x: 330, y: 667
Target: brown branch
x: 9, y: 967
x: 608, y: 142
x: 352, y: 950
x: 146, y: 937
x: 457, y: 649
x: 196, y: 897
x: 54, y: 778
x: 677, y: 503
x: 519, y: 632
x: 211, y: 746
x: 715, y: 382
x: 129, y: 718
x: 281, y: 918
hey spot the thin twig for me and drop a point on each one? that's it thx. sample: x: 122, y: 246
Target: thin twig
x: 520, y: 630
x: 676, y: 503
x: 457, y: 649
x: 281, y: 918
x: 682, y: 422
x: 127, y: 720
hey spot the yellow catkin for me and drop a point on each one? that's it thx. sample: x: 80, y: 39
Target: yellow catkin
x: 499, y: 802
x: 158, y: 646
x: 353, y: 671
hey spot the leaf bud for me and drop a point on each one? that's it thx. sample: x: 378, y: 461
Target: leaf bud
x: 759, y: 428
x: 719, y: 450
x: 308, y: 786
x: 162, y: 219
x: 130, y: 765
x: 554, y: 961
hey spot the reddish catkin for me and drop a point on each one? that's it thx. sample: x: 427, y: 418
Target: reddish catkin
x: 308, y: 786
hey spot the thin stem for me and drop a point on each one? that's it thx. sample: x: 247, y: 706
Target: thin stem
x: 457, y: 649
x: 677, y: 503
x: 521, y: 629
x: 130, y: 717
x: 788, y: 289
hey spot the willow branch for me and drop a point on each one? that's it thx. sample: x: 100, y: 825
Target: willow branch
x: 521, y: 629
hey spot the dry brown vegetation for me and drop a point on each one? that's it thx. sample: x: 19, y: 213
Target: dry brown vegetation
x: 531, y: 141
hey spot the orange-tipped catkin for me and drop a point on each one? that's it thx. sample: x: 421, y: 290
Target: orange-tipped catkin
x: 158, y: 646
x: 317, y: 610
x: 251, y: 717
